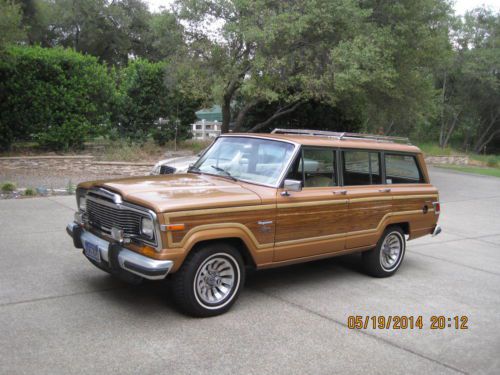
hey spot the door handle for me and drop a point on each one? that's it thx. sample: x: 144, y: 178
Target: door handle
x: 264, y: 222
x: 342, y: 192
x: 386, y: 190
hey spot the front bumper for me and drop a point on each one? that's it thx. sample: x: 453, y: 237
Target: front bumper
x: 116, y: 259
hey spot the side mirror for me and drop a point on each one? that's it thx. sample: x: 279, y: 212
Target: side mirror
x: 291, y: 185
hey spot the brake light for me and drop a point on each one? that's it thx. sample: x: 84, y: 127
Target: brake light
x: 437, y: 207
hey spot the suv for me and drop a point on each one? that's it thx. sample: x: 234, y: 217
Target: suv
x: 255, y: 201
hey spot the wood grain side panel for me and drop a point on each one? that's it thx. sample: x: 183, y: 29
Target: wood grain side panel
x: 306, y: 222
x: 367, y: 215
x: 264, y: 234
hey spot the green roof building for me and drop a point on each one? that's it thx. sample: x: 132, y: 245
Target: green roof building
x: 210, y: 114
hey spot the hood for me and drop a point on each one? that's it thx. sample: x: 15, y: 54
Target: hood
x: 180, y: 192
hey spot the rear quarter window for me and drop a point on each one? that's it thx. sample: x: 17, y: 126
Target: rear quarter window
x: 402, y: 169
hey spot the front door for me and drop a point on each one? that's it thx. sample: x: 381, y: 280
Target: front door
x: 312, y: 221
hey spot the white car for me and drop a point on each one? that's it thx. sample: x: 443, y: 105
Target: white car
x: 174, y: 165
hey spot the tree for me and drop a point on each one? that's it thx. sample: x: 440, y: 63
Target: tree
x: 164, y: 39
x: 375, y: 55
x: 482, y: 73
x: 470, y: 82
x: 11, y: 30
x: 146, y: 96
x: 109, y: 30
x: 113, y: 31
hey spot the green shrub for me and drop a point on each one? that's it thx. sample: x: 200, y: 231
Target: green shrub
x: 29, y: 192
x: 492, y: 161
x: 70, y: 189
x: 70, y: 135
x: 56, y: 96
x: 8, y: 187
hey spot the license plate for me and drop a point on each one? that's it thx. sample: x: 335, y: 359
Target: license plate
x: 91, y: 250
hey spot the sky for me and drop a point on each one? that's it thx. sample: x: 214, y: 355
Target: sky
x: 461, y: 6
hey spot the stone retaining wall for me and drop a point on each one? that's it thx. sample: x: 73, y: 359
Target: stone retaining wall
x: 449, y: 159
x: 88, y: 164
x: 83, y: 164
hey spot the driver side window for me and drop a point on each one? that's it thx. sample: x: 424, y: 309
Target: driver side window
x: 315, y: 167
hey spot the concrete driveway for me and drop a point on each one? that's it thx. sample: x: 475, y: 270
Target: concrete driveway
x: 60, y: 315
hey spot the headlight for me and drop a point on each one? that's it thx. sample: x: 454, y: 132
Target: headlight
x: 82, y: 203
x: 147, y: 227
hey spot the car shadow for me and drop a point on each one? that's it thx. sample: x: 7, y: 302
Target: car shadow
x: 154, y: 296
x: 318, y: 271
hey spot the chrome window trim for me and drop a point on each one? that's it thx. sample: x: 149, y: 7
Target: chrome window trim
x: 122, y: 205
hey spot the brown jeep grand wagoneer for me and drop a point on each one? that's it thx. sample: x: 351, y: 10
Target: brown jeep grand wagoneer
x: 259, y: 201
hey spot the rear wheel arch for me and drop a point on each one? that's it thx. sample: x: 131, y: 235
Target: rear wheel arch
x: 384, y: 260
x: 405, y: 226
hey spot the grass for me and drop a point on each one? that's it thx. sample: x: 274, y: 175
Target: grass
x: 489, y: 160
x: 120, y: 150
x: 196, y: 146
x: 477, y: 170
x: 133, y: 152
x: 148, y: 151
x: 433, y: 149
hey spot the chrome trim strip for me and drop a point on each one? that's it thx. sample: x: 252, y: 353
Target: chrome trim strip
x: 107, y: 194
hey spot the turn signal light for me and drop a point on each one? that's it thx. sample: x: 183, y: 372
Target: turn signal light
x: 437, y: 207
x: 173, y: 227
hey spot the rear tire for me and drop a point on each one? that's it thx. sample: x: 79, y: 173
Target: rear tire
x: 209, y: 281
x: 384, y: 260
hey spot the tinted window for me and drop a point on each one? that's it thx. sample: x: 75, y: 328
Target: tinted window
x: 361, y: 167
x: 315, y: 167
x: 401, y: 169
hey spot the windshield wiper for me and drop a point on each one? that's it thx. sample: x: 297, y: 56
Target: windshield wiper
x: 225, y: 172
x: 194, y: 169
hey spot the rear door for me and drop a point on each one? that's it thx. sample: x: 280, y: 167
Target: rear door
x: 312, y: 221
x: 412, y: 193
x: 369, y: 199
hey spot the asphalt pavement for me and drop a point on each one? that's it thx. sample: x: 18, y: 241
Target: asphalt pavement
x: 61, y: 315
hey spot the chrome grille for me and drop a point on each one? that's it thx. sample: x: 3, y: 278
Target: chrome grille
x: 105, y: 217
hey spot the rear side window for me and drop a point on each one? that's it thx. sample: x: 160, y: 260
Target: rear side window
x: 402, y: 169
x: 361, y: 168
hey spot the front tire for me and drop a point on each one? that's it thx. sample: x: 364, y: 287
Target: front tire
x: 209, y: 281
x: 385, y: 259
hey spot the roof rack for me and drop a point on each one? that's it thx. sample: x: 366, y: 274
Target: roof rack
x: 343, y: 136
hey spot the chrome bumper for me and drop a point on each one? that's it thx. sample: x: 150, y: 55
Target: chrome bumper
x: 127, y: 260
x: 436, y: 231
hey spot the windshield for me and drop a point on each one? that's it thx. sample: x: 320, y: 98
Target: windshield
x: 250, y: 159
